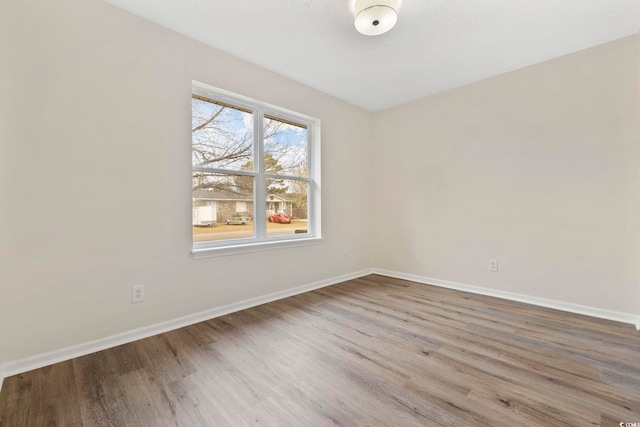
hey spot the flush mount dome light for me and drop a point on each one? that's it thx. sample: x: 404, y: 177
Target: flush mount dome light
x: 375, y: 17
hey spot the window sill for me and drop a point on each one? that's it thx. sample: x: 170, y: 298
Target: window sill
x: 252, y: 247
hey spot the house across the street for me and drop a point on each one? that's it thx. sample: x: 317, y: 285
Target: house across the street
x: 214, y: 207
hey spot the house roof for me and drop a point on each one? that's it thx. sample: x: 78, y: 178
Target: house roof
x: 279, y: 197
x: 220, y: 195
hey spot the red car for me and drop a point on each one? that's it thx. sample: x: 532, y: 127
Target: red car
x: 280, y: 217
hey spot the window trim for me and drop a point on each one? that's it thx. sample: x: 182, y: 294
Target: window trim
x: 260, y: 241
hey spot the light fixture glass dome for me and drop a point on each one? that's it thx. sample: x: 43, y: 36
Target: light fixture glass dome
x: 375, y: 19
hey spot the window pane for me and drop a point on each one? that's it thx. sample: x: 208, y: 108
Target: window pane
x: 285, y: 148
x: 222, y: 136
x: 222, y: 207
x: 287, y: 207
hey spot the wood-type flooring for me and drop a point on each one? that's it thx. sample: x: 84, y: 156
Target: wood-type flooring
x: 373, y: 351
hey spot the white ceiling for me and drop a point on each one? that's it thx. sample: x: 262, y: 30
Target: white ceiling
x: 436, y: 45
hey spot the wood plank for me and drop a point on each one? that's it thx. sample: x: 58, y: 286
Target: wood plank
x: 370, y: 351
x: 36, y: 397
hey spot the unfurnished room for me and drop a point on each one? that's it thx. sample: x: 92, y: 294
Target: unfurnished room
x: 320, y: 213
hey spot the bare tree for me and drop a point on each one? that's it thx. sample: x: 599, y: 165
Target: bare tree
x: 222, y: 138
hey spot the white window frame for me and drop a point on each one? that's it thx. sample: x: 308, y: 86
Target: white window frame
x: 261, y: 241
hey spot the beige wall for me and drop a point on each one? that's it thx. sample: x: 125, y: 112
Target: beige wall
x: 95, y: 132
x: 537, y: 168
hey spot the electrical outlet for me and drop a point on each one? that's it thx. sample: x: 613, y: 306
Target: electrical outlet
x: 344, y: 255
x: 137, y: 294
x: 493, y: 265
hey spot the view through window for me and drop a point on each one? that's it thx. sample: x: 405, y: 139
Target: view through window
x: 252, y: 179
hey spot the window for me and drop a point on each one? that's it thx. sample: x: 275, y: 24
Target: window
x: 241, y: 206
x: 255, y: 174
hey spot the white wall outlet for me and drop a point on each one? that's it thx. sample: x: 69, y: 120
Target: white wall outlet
x: 345, y: 254
x: 137, y: 294
x: 493, y: 265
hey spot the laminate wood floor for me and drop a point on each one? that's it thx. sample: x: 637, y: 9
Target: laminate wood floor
x: 374, y: 351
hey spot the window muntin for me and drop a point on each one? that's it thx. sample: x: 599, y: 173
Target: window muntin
x: 246, y: 156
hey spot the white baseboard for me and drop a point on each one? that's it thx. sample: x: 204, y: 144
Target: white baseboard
x: 45, y: 359
x: 542, y: 302
x: 26, y: 364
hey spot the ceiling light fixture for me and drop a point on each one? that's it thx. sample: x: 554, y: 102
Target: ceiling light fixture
x: 375, y: 17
